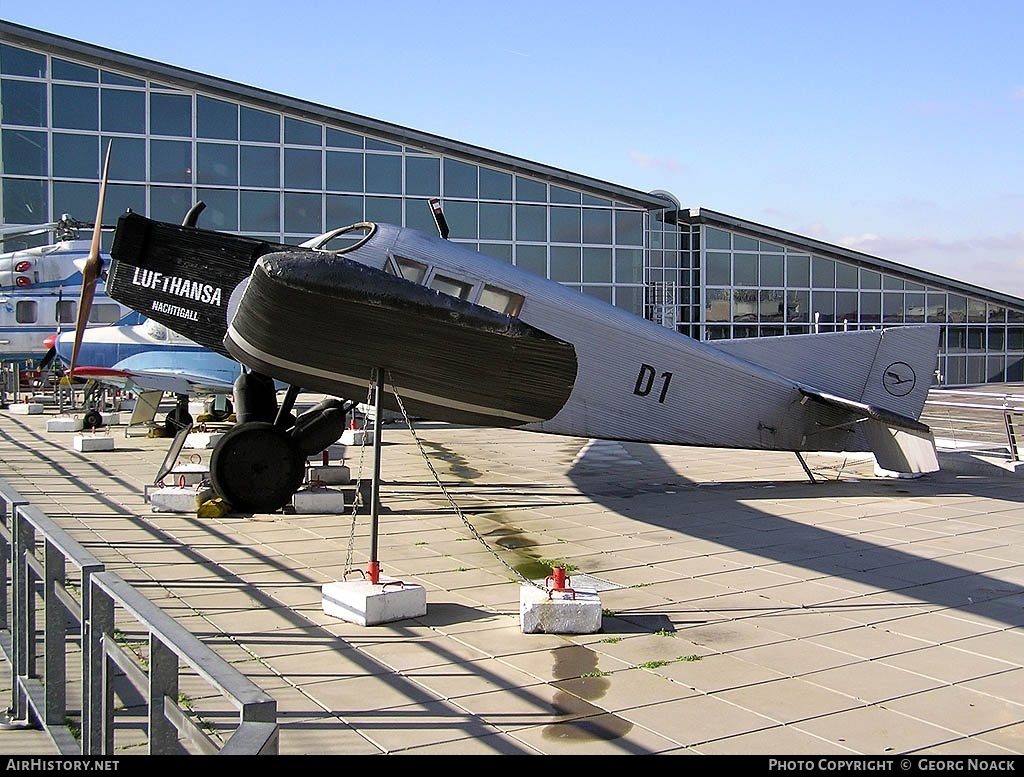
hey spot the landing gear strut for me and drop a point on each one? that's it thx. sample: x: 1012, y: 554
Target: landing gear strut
x: 260, y: 463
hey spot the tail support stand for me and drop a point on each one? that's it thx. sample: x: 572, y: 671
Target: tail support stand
x: 375, y: 599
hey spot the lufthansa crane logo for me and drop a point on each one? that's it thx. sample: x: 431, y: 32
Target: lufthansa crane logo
x: 899, y: 379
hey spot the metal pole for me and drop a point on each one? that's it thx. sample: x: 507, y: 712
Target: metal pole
x: 378, y: 414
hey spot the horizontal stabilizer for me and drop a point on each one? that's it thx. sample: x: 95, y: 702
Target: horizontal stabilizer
x: 886, y: 417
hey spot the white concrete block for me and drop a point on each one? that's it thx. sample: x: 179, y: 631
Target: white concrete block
x: 26, y: 408
x: 114, y: 418
x: 187, y: 474
x: 318, y: 500
x: 64, y: 424
x: 177, y: 499
x: 93, y: 442
x: 357, y: 437
x: 327, y: 474
x: 202, y: 439
x: 558, y: 612
x: 367, y: 604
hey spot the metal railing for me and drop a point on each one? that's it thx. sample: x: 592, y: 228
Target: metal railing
x: 100, y: 667
x: 988, y: 422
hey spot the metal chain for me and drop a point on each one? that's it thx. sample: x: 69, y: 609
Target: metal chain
x: 448, y: 496
x: 357, y: 500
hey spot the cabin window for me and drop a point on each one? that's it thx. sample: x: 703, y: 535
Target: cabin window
x: 502, y: 301
x: 451, y: 286
x: 27, y: 311
x: 105, y: 313
x: 410, y: 270
x: 67, y: 311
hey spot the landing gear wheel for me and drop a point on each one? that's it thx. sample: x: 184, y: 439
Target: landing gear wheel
x: 256, y: 467
x: 177, y: 420
x: 221, y: 414
x: 92, y: 419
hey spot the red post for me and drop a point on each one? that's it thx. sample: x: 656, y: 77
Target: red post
x: 373, y: 572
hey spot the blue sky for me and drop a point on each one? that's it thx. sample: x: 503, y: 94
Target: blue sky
x: 895, y: 128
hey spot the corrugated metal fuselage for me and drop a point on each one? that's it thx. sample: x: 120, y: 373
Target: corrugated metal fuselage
x: 630, y: 379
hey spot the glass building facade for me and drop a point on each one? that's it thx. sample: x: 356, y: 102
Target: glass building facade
x: 281, y: 169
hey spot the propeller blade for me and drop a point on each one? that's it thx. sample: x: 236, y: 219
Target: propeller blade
x: 91, y: 270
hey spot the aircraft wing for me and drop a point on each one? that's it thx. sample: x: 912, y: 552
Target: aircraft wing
x: 158, y: 372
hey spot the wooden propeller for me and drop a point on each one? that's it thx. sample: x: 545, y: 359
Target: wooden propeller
x: 91, y: 270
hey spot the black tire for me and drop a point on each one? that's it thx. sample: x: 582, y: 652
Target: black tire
x: 92, y: 419
x: 177, y: 420
x: 256, y: 467
x: 223, y: 414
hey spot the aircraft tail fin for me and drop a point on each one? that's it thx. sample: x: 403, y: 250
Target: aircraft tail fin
x: 181, y: 276
x: 878, y: 378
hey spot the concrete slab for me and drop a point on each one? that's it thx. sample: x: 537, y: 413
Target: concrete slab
x: 368, y: 604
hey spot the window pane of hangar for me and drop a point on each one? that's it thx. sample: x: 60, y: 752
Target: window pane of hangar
x: 869, y: 279
x: 597, y: 265
x: 495, y: 185
x: 798, y: 270
x: 531, y: 223
x: 798, y: 306
x: 302, y: 169
x: 340, y: 139
x: 502, y: 251
x: 302, y: 133
x: 718, y: 271
x: 74, y: 156
x: 629, y: 298
x: 344, y: 171
x: 302, y: 213
x: 495, y: 221
x: 975, y: 311
x: 260, y: 166
x: 745, y: 269
x: 260, y: 211
x: 565, y: 225
x: 772, y: 271
x: 217, y: 164
x: 74, y: 107
x: 597, y: 225
x: 122, y: 111
x: 15, y: 61
x: 565, y: 264
x: 419, y: 215
x: 823, y: 304
x: 529, y: 190
x: 957, y: 312
x: 344, y: 209
x: 846, y: 306
x: 846, y: 276
x: 717, y: 238
x: 870, y: 307
x: 629, y: 228
x: 24, y: 152
x: 259, y: 126
x: 823, y: 273
x: 892, y: 307
x: 170, y: 161
x: 915, y: 308
x: 717, y: 305
x: 629, y: 265
x: 996, y: 313
x: 24, y: 201
x: 127, y: 158
x: 383, y: 174
x: 462, y: 220
x: 170, y: 203
x: 533, y: 259
x: 564, y: 196
x: 936, y: 302
x: 216, y: 118
x: 423, y: 176
x: 221, y: 212
x: 996, y: 338
x: 78, y: 199
x: 385, y: 209
x: 170, y: 114
x: 459, y: 179
x: 743, y: 243
x: 772, y: 305
x: 1015, y: 338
